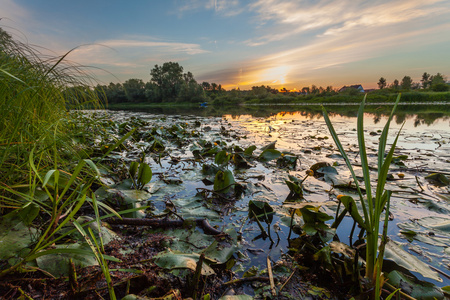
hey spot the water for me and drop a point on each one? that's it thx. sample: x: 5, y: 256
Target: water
x: 417, y: 204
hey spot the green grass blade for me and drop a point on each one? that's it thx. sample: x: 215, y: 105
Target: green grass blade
x: 346, y: 159
x: 363, y: 157
x: 383, y: 172
x: 73, y: 177
x: 384, y: 134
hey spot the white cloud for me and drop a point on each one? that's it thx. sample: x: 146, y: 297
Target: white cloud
x: 227, y: 8
x: 132, y: 53
x: 286, y: 19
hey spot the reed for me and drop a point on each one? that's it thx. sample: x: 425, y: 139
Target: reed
x: 372, y: 206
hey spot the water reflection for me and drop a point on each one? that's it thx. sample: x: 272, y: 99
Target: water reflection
x: 420, y: 115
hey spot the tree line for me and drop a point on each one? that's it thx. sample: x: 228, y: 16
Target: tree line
x: 435, y: 83
x: 169, y: 83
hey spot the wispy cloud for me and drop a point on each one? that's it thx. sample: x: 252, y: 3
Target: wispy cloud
x: 187, y: 48
x: 132, y: 57
x: 287, y: 19
x: 225, y: 8
x: 286, y: 68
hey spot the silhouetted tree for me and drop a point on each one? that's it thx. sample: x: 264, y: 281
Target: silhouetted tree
x: 382, y: 83
x: 406, y: 83
x: 425, y: 80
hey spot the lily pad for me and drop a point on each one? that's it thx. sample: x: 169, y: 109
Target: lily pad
x: 14, y: 234
x: 268, y: 155
x: 178, y: 260
x: 413, y: 287
x: 402, y: 258
x: 58, y: 264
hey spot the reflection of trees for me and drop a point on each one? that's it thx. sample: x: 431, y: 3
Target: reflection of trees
x: 376, y: 119
x: 421, y: 114
x: 429, y: 119
x: 400, y: 118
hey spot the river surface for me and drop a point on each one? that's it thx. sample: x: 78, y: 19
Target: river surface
x: 419, y: 206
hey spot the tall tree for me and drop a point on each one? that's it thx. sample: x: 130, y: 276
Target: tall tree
x: 395, y: 84
x: 169, y: 79
x: 134, y: 90
x: 406, y: 83
x: 425, y: 80
x: 438, y: 83
x: 382, y: 83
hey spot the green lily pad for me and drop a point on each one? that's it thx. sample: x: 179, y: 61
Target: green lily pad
x: 14, y: 234
x: 438, y: 178
x: 268, y: 155
x: 270, y: 146
x: 58, y: 264
x: 178, y: 260
x: 413, y: 287
x: 221, y: 252
x: 402, y: 258
x: 223, y: 181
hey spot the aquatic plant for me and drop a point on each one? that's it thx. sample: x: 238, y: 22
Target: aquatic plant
x: 372, y: 206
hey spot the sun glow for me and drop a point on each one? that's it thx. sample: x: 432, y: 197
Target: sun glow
x: 275, y: 75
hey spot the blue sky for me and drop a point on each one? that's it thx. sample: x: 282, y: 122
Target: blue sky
x: 242, y: 43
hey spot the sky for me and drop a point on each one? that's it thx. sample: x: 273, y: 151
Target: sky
x: 243, y: 43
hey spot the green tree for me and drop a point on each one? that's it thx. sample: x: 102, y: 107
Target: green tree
x: 134, y: 90
x: 151, y: 93
x: 260, y: 91
x: 406, y: 83
x: 191, y: 92
x: 395, y: 84
x: 206, y: 86
x: 438, y: 83
x: 382, y: 83
x: 425, y: 80
x: 169, y: 79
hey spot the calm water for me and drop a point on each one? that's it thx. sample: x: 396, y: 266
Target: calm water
x: 417, y: 204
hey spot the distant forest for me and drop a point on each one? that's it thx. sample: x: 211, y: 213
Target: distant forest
x: 169, y: 83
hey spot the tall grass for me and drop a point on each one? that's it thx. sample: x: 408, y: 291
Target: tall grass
x: 37, y: 152
x: 36, y: 92
x: 372, y: 205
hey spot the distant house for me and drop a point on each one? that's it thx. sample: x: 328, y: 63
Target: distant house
x: 357, y: 87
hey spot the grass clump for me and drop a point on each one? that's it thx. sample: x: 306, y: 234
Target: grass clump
x: 372, y: 205
x: 36, y: 92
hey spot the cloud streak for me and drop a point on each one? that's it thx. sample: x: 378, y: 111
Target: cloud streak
x: 226, y: 8
x: 117, y: 52
x: 287, y: 19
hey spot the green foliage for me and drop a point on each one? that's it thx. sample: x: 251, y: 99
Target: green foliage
x: 406, y: 83
x: 141, y: 174
x: 372, y: 205
x: 34, y: 97
x: 382, y: 83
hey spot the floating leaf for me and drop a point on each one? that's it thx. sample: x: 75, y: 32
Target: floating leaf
x: 438, y: 178
x: 144, y: 175
x: 270, y: 146
x: 221, y: 252
x: 415, y: 288
x: 268, y: 155
x: 402, y: 258
x: 14, y: 235
x: 249, y: 150
x: 178, y: 260
x: 223, y: 181
x: 58, y: 264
